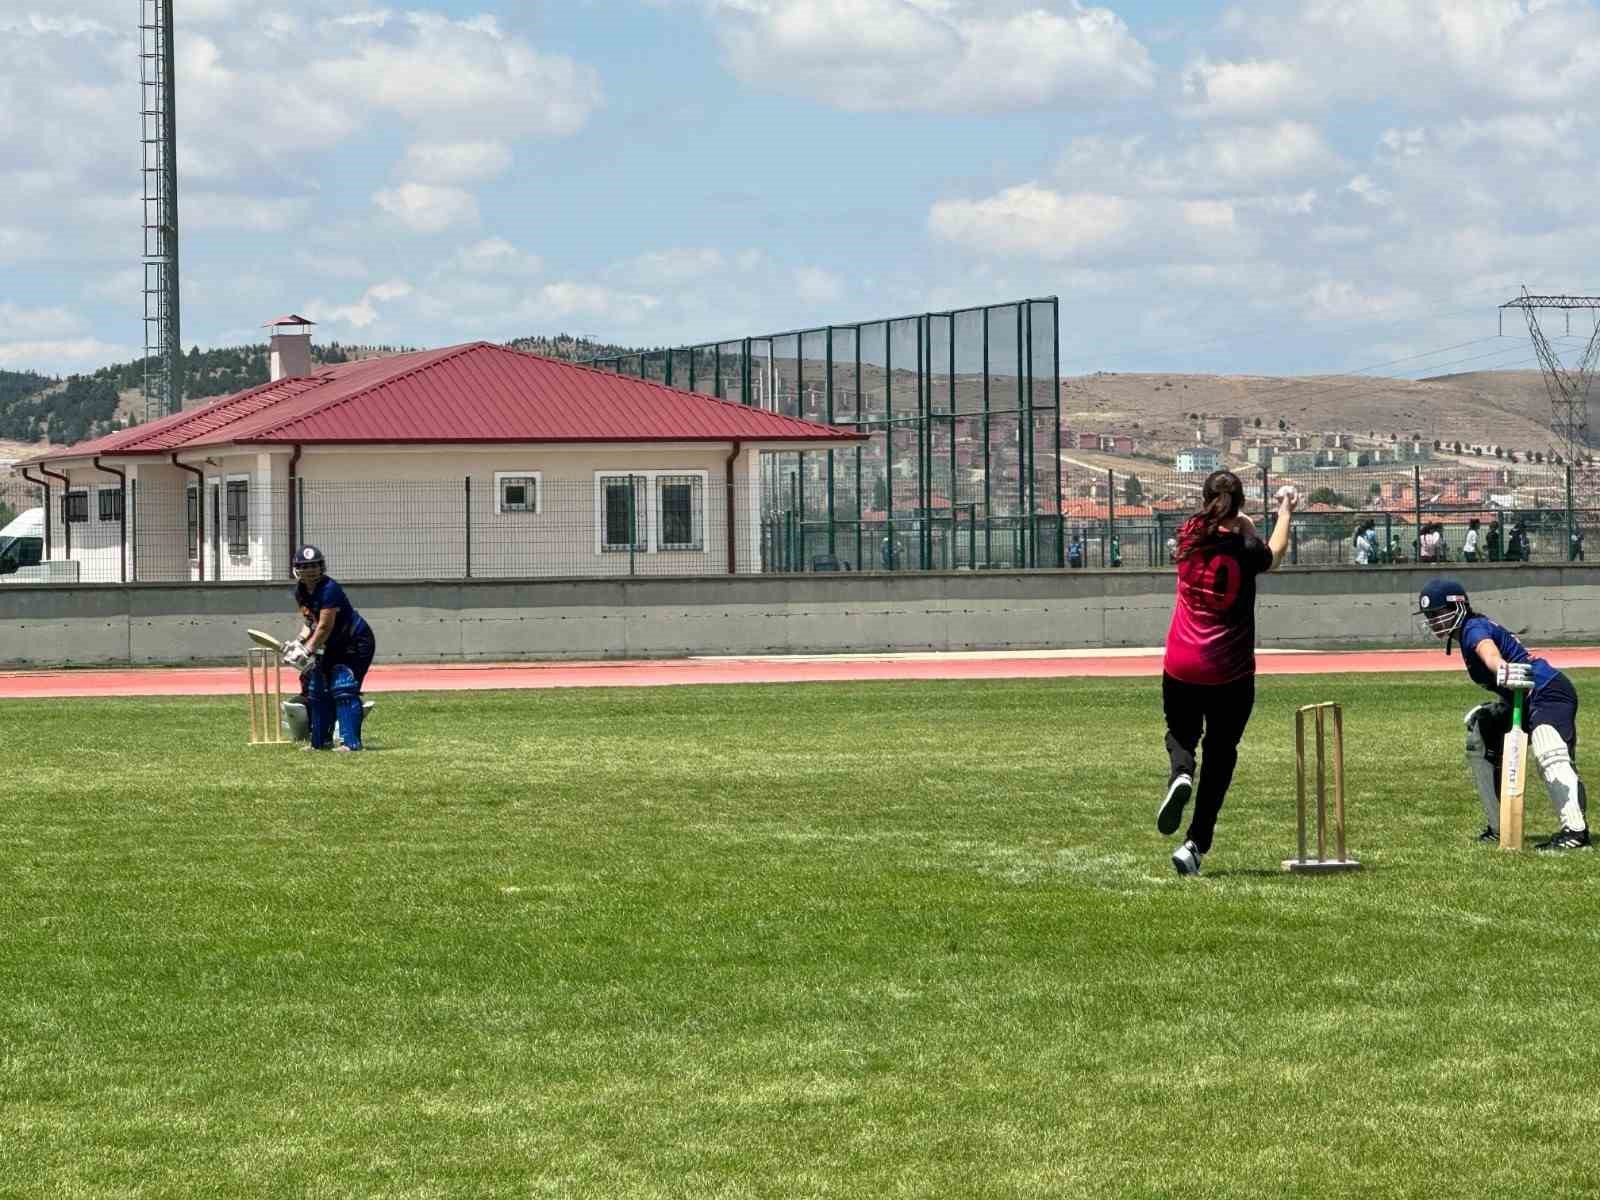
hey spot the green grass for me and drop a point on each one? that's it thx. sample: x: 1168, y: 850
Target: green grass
x: 884, y: 940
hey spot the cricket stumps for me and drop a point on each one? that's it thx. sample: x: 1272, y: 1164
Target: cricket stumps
x: 1320, y: 716
x: 266, y: 700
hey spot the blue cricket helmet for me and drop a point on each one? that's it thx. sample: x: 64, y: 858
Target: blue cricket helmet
x: 309, y: 556
x: 1443, y: 605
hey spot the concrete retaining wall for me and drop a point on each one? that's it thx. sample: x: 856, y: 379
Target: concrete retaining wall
x: 643, y: 618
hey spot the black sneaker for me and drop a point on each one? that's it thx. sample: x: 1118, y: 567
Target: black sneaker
x: 1489, y: 836
x: 1566, y: 839
x: 1186, y: 859
x: 1170, y: 814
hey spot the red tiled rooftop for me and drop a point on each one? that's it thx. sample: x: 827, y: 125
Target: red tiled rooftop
x: 472, y: 393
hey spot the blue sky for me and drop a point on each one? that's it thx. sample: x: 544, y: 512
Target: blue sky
x: 1255, y: 187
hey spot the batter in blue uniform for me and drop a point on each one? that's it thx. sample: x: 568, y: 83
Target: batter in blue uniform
x: 1498, y: 662
x: 334, y: 627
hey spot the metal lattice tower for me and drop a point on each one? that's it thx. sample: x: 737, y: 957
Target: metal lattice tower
x: 163, y: 343
x: 1568, y: 388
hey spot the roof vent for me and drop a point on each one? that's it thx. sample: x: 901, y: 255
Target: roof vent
x: 290, y: 347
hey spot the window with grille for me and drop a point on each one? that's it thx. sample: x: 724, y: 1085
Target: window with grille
x: 192, y: 516
x: 74, y: 507
x: 623, y: 514
x: 680, y: 507
x: 238, y: 517
x: 111, y: 504
x: 516, y: 492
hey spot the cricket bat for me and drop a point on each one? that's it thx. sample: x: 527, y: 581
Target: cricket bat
x: 264, y: 639
x: 1513, y: 778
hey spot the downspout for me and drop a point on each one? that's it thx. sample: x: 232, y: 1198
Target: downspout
x: 733, y: 539
x: 199, y: 513
x: 40, y: 483
x: 294, y: 505
x: 66, y: 486
x: 122, y: 520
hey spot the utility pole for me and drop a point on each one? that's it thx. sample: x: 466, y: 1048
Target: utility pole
x: 163, y: 340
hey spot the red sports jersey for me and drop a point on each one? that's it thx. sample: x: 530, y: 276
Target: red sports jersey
x: 1212, y: 638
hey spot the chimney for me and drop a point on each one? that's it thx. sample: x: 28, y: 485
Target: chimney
x: 290, y: 347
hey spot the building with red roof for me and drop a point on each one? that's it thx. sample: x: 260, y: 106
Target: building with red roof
x: 472, y: 460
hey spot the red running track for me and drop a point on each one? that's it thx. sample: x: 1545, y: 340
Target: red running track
x: 401, y: 677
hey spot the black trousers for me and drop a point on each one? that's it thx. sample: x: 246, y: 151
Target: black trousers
x: 1216, y: 713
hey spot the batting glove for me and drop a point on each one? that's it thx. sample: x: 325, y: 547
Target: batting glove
x: 1514, y: 677
x: 297, y: 658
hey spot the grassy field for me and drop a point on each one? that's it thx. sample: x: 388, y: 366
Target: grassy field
x: 909, y: 939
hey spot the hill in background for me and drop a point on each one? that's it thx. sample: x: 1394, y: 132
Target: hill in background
x: 1164, y: 412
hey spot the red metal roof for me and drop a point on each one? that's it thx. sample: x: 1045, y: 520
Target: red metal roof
x: 478, y: 392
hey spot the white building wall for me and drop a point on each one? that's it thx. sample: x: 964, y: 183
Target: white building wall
x: 94, y: 545
x: 405, y: 513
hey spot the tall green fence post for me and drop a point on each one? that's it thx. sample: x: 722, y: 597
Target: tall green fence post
x: 1416, y: 484
x: 1571, y: 517
x: 1111, y: 517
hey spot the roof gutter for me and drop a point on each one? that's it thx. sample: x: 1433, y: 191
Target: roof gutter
x: 66, y: 486
x: 40, y: 483
x: 199, y: 513
x: 122, y: 512
x: 294, y: 504
x: 733, y: 532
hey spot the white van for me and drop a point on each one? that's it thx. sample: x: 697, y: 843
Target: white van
x: 22, y: 553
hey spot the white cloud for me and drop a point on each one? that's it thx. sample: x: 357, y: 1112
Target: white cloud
x: 938, y: 55
x: 569, y: 299
x: 671, y: 268
x: 361, y: 314
x: 1432, y: 53
x: 16, y: 321
x: 1239, y: 89
x: 332, y: 265
x: 1340, y: 300
x: 234, y: 210
x: 466, y: 77
x: 425, y: 209
x: 62, y: 355
x: 1030, y: 219
x: 1210, y: 215
x: 455, y: 162
x: 816, y: 286
x: 117, y: 286
x: 496, y: 256
x: 1363, y: 186
x: 1256, y: 154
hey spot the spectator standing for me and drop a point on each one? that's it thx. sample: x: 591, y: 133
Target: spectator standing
x: 1518, y: 548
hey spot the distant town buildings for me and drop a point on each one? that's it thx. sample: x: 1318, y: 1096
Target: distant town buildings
x: 1198, y: 458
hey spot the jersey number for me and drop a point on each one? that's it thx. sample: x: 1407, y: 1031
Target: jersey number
x: 1216, y: 584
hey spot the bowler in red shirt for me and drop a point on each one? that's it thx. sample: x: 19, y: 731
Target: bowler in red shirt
x: 1208, y: 681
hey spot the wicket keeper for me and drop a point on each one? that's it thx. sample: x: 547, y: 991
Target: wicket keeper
x: 332, y: 625
x: 1497, y: 661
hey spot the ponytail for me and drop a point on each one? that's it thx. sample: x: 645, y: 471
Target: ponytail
x: 1221, y: 499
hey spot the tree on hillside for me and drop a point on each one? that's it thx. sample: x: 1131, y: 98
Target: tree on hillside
x: 1133, y: 491
x: 1258, y: 422
x: 1282, y: 425
x: 1326, y: 495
